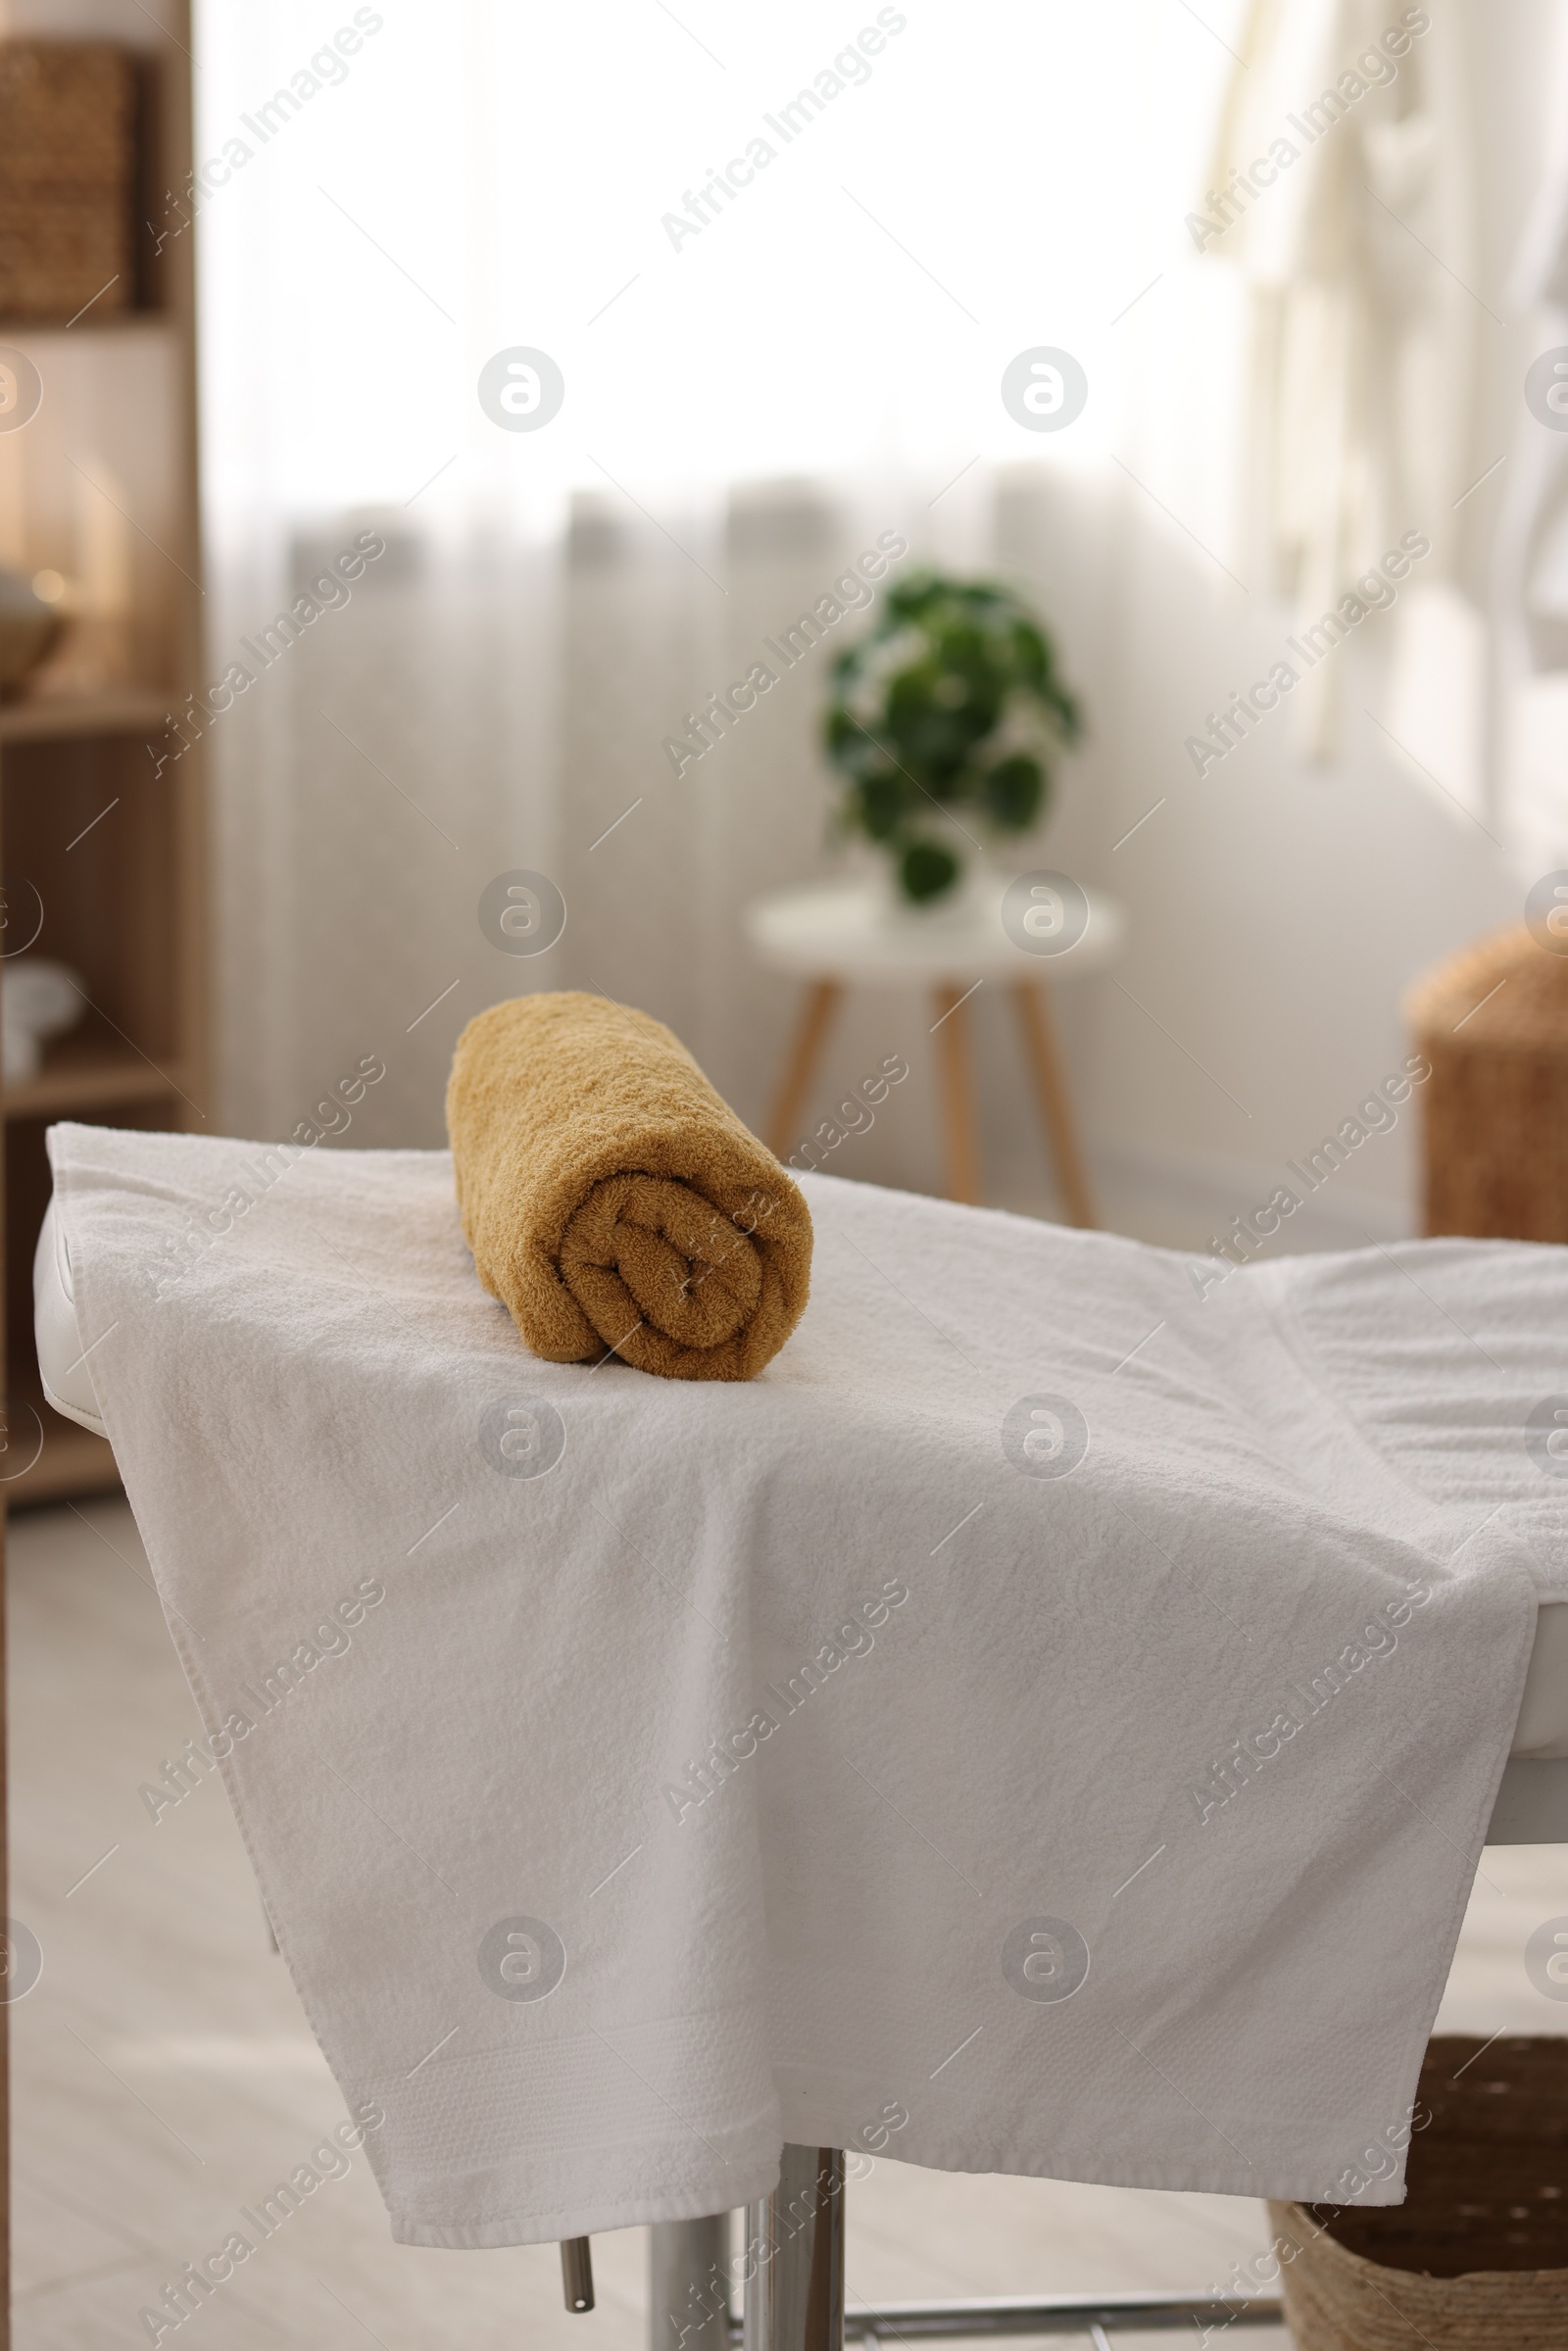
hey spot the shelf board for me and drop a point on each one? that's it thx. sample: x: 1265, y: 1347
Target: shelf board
x: 72, y: 1461
x: 125, y: 711
x: 89, y: 1077
x: 111, y: 322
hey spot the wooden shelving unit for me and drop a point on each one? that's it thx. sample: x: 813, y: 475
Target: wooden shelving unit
x: 115, y: 849
x: 97, y: 839
x: 80, y: 1079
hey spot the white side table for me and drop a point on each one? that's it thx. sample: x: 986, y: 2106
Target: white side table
x: 835, y: 934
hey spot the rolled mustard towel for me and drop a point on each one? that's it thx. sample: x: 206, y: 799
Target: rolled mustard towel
x: 612, y: 1199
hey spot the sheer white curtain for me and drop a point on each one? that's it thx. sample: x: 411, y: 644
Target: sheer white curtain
x: 758, y: 379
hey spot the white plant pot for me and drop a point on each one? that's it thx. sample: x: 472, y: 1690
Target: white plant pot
x: 980, y: 883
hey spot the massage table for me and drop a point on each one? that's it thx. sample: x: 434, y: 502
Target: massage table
x: 794, y: 2290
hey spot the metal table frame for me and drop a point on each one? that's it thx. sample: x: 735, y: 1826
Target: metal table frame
x: 793, y: 2271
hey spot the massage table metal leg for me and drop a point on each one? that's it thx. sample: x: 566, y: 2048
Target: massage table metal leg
x: 689, y: 2284
x: 816, y: 1020
x: 956, y: 1078
x: 1045, y: 1063
x: 794, y: 2296
x: 795, y: 2243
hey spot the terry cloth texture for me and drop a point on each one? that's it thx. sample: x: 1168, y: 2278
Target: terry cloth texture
x: 1047, y: 1723
x: 612, y: 1199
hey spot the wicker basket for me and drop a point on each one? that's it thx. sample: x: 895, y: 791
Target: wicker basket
x: 1476, y: 2259
x: 1492, y: 1021
x: 67, y: 174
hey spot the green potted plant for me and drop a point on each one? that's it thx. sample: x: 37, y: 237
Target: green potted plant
x: 950, y: 712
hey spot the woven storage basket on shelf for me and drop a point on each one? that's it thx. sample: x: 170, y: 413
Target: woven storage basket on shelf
x: 1492, y: 1021
x: 68, y: 167
x: 1476, y: 2258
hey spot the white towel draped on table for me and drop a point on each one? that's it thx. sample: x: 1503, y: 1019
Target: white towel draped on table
x: 1047, y: 1723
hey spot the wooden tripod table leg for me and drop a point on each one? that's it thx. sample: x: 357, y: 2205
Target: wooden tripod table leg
x: 1045, y: 1061
x: 956, y: 1079
x: 816, y: 1020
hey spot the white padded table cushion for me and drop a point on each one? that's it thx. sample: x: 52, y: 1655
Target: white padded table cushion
x: 1542, y: 1731
x: 66, y: 1377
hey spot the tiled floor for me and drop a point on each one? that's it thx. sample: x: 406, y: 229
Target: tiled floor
x: 165, y: 2075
